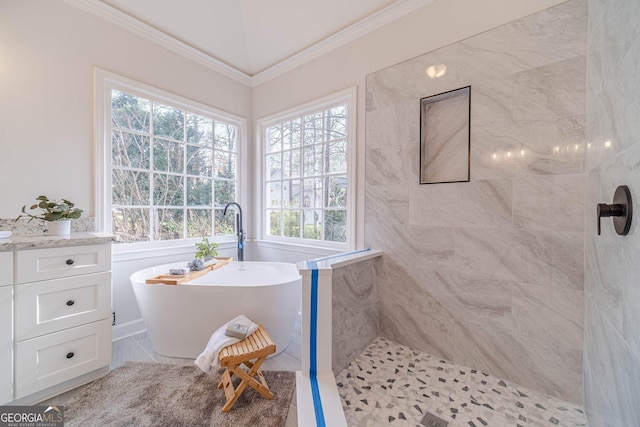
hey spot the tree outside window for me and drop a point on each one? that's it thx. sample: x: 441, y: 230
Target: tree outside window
x: 305, y: 180
x: 172, y: 171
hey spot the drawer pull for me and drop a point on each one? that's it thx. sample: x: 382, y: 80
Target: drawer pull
x: 70, y: 355
x: 70, y: 302
x: 70, y: 262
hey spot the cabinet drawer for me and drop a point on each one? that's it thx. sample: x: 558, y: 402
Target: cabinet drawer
x: 53, y: 305
x: 6, y: 268
x: 54, y: 263
x: 51, y: 359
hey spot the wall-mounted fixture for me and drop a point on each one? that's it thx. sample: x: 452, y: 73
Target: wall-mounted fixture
x: 436, y: 71
x: 621, y: 210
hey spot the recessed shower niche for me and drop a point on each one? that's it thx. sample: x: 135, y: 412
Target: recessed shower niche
x: 444, y: 136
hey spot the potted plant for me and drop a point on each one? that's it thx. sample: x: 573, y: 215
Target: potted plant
x: 206, y: 250
x: 58, y: 213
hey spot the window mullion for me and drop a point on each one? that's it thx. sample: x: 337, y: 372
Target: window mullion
x: 184, y: 174
x: 300, y: 209
x: 214, y: 180
x: 152, y: 142
x: 281, y: 219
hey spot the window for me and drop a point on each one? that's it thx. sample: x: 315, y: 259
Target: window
x: 170, y: 165
x: 307, y: 185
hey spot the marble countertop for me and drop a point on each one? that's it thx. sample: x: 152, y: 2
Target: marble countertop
x: 31, y: 241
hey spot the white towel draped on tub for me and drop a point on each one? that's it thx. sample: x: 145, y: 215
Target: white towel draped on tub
x: 209, y: 357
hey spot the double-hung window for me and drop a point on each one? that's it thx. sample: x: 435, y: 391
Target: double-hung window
x: 307, y: 173
x: 170, y: 164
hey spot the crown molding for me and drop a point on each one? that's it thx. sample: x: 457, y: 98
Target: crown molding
x: 373, y: 22
x: 122, y: 20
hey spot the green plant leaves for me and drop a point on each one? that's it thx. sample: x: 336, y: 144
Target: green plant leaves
x: 53, y: 210
x: 204, y: 248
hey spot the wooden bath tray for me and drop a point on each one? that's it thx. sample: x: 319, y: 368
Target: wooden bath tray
x: 176, y: 279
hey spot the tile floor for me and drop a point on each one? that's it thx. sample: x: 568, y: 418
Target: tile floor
x: 390, y: 384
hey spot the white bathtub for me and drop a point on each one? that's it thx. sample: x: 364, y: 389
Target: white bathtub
x: 181, y: 318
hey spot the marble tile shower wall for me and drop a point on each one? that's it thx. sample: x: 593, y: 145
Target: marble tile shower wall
x: 612, y: 338
x: 355, y: 311
x: 488, y: 273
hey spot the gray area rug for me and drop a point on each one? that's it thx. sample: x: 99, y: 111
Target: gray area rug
x: 158, y: 394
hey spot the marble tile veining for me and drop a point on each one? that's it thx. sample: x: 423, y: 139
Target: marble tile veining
x: 549, y: 202
x: 555, y: 90
x: 432, y: 245
x: 483, y: 203
x: 388, y: 201
x: 452, y: 314
x: 501, y: 254
x: 612, y: 294
x: 532, y: 361
x: 444, y: 137
x: 553, y: 147
x: 559, y: 312
x: 485, y: 302
x: 534, y: 41
x: 612, y: 377
x: 355, y: 311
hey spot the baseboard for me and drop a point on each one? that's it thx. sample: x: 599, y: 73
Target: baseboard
x: 127, y: 329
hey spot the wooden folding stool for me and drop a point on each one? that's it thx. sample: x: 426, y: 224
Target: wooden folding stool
x: 256, y: 346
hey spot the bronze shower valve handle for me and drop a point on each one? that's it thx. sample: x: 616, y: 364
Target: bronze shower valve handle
x: 621, y: 210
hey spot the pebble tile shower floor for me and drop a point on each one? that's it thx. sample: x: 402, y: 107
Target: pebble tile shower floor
x: 390, y: 384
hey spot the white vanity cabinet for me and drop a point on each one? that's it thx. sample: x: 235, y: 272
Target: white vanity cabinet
x: 62, y: 314
x: 6, y: 327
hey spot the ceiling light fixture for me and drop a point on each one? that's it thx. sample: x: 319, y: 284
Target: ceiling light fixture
x: 436, y: 71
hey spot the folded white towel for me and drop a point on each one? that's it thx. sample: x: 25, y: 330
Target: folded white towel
x: 209, y: 357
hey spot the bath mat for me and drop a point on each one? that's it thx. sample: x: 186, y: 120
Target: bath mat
x: 158, y: 394
x: 431, y: 420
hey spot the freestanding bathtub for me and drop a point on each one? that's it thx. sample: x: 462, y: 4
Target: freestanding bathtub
x: 181, y: 318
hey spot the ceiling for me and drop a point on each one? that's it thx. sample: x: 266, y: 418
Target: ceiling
x: 250, y: 36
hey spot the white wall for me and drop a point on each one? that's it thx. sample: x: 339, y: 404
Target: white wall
x: 47, y: 53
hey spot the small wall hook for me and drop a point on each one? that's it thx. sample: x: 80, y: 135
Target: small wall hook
x: 621, y: 210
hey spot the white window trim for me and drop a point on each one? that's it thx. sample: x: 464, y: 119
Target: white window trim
x: 104, y: 82
x: 347, y: 96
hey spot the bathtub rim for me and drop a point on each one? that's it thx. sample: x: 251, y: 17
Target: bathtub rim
x: 140, y: 276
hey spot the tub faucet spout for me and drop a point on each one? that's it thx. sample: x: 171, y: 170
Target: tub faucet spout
x: 239, y: 230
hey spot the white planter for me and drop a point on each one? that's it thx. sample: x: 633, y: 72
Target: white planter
x: 59, y: 228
